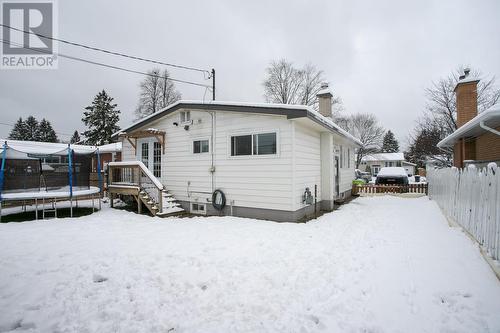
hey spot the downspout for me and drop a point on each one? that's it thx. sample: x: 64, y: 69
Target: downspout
x: 489, y: 129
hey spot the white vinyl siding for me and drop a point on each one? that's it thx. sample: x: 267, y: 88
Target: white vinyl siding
x: 307, y: 163
x: 261, y: 181
x: 270, y: 181
x: 346, y: 172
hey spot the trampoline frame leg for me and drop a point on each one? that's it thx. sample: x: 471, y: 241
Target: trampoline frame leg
x: 36, y: 209
x: 71, y: 207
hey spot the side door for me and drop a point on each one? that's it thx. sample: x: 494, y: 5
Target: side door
x: 337, y: 177
x: 149, y: 152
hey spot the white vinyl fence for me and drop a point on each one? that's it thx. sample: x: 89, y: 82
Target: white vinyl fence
x: 471, y: 198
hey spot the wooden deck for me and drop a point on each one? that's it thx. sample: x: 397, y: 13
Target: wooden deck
x: 134, y: 179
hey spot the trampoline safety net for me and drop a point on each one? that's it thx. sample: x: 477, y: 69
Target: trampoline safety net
x: 29, y: 171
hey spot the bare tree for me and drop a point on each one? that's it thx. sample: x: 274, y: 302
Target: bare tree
x: 441, y: 101
x: 422, y: 143
x: 365, y: 127
x: 168, y: 93
x: 286, y: 84
x: 156, y: 92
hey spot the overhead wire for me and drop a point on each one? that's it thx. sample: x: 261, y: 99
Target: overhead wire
x: 120, y: 54
x: 102, y: 64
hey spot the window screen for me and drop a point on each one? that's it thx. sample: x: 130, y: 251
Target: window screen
x: 145, y: 153
x: 264, y: 144
x: 200, y: 146
x: 241, y: 145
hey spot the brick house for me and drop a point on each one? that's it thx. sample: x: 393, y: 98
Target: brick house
x: 477, y: 139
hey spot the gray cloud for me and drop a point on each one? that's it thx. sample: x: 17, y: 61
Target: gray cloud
x: 378, y: 56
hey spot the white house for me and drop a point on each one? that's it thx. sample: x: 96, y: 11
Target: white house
x: 265, y: 158
x: 374, y: 162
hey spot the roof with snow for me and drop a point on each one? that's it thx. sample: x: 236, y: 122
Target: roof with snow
x: 289, y: 110
x: 49, y: 148
x: 467, y: 79
x: 383, y: 157
x: 473, y: 128
x: 392, y: 172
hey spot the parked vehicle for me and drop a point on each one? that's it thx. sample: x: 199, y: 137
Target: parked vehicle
x: 392, y: 176
x: 362, y: 175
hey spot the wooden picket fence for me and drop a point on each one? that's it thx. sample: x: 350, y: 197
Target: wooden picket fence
x: 394, y: 189
x: 471, y: 198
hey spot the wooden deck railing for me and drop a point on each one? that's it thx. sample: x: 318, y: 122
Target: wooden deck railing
x: 374, y: 189
x: 135, y: 173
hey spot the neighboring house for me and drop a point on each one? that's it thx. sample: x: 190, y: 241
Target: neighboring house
x: 375, y: 162
x: 477, y: 139
x: 111, y: 152
x: 264, y: 157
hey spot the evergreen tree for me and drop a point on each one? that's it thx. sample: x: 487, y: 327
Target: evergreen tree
x: 19, y: 131
x: 45, y: 132
x: 390, y: 144
x: 75, y: 138
x: 32, y: 129
x: 101, y: 119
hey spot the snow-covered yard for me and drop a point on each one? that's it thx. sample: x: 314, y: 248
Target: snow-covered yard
x: 382, y: 264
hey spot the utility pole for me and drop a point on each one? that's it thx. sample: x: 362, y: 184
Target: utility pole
x: 213, y: 84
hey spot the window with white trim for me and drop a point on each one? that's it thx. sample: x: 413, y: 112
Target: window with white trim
x: 254, y: 144
x: 185, y: 116
x: 145, y: 153
x: 197, y: 208
x: 201, y: 146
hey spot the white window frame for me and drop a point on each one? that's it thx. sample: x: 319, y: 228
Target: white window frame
x: 341, y: 162
x: 182, y: 114
x: 252, y: 133
x: 150, y: 141
x: 198, y: 211
x: 201, y: 139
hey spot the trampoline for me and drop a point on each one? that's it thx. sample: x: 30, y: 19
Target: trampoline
x: 42, y: 174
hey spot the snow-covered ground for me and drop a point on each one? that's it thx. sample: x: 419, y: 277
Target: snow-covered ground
x: 382, y: 264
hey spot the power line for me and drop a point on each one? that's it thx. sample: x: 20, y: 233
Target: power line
x: 104, y: 65
x: 110, y: 52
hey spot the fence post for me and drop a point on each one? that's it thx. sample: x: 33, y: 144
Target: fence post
x: 2, y: 170
x: 70, y: 176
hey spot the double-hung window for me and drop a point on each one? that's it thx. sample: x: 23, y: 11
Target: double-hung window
x: 254, y: 144
x: 201, y: 146
x: 185, y: 117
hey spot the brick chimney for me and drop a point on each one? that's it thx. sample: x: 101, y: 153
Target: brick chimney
x: 325, y: 100
x: 466, y: 94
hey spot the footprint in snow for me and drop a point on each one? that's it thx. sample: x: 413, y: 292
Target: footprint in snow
x: 99, y: 278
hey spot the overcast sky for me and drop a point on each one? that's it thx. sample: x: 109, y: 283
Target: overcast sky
x: 377, y: 55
